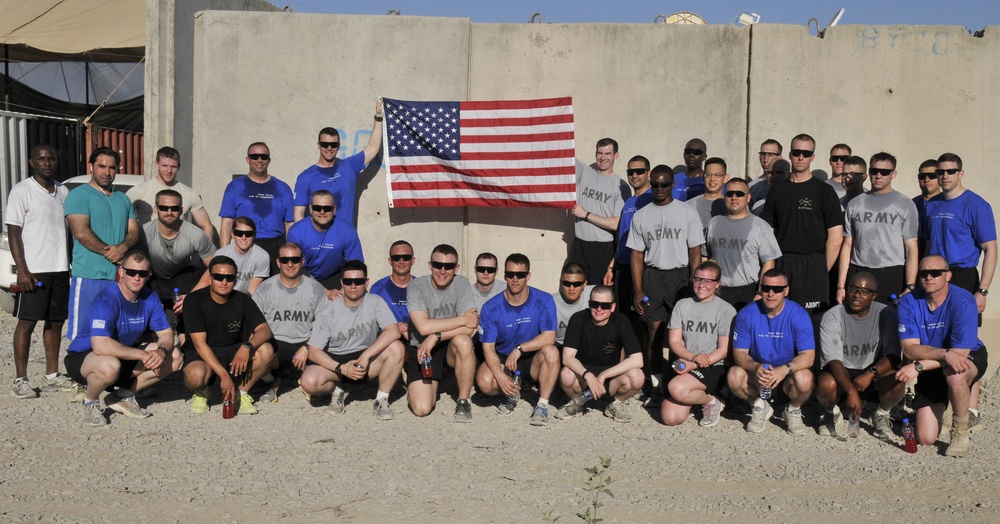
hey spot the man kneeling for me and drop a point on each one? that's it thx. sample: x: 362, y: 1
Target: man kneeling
x: 102, y: 356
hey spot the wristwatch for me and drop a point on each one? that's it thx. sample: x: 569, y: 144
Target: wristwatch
x: 983, y: 291
x: 519, y: 349
x: 790, y: 370
x: 248, y: 345
x: 918, y: 366
x: 911, y: 287
x: 874, y: 370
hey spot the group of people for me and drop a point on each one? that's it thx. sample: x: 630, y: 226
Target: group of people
x: 689, y: 268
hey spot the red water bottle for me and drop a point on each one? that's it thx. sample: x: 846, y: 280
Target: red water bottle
x: 227, y: 409
x: 16, y: 288
x: 426, y: 370
x: 908, y: 438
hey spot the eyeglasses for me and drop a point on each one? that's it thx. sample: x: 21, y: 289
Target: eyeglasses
x: 141, y: 273
x: 838, y: 158
x: 767, y: 154
x: 737, y: 194
x: 244, y: 233
x: 874, y: 171
x: 925, y: 176
x: 634, y: 172
x: 600, y: 305
x: 693, y: 151
x: 930, y: 273
x: 572, y: 283
x: 289, y: 260
x: 952, y: 171
x: 699, y: 280
x: 486, y: 269
x: 802, y: 152
x: 862, y: 290
x: 654, y: 185
x: 219, y: 277
x: 259, y: 156
x: 169, y: 209
x: 852, y: 174
x: 510, y: 275
x: 447, y: 266
x: 772, y: 289
x: 714, y: 175
x: 322, y: 209
x: 329, y: 145
x: 397, y: 258
x: 353, y: 281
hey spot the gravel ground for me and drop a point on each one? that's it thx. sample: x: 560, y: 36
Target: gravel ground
x: 295, y: 463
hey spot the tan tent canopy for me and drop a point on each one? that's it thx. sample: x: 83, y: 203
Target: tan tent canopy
x: 94, y: 30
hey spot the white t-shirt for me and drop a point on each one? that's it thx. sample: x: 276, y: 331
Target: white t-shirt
x: 43, y: 225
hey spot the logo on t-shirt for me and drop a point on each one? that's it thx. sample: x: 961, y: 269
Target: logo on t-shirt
x: 805, y: 204
x: 235, y: 326
x: 97, y: 324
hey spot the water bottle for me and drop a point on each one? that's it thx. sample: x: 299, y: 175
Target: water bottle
x: 426, y: 371
x: 513, y: 399
x: 679, y: 366
x: 582, y: 398
x: 908, y: 438
x: 16, y: 288
x: 853, y: 426
x: 227, y: 409
x: 177, y: 295
x: 765, y: 391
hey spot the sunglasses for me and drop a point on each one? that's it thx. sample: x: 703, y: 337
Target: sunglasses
x: 515, y: 274
x: 852, y: 174
x: 397, y: 258
x: 737, y: 194
x: 693, y: 151
x: 141, y: 273
x: 219, y: 277
x: 802, y: 153
x: 600, y: 305
x: 633, y: 172
x: 665, y: 185
x: 486, y: 269
x: 767, y: 153
x: 170, y: 209
x: 932, y: 273
x: 571, y: 283
x: 771, y: 289
x: 952, y: 171
x: 353, y: 281
x: 838, y: 158
x: 329, y: 145
x: 259, y: 156
x: 244, y: 233
x: 322, y: 209
x: 447, y: 266
x: 699, y: 280
x: 289, y: 260
x: 925, y: 176
x: 857, y: 289
x: 874, y: 171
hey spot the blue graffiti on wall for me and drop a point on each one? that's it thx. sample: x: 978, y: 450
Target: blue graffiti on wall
x: 917, y: 41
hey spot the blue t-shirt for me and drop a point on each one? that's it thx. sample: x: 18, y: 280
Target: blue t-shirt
x: 326, y: 251
x: 393, y: 295
x: 633, y: 204
x: 268, y: 204
x: 507, y: 325
x: 954, y: 324
x: 341, y: 180
x: 687, y: 188
x: 777, y: 340
x: 111, y: 315
x: 957, y: 227
x: 109, y: 216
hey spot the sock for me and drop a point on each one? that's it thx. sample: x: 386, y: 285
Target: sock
x: 654, y: 380
x: 974, y: 412
x: 543, y: 402
x: 87, y: 401
x: 52, y: 376
x: 381, y: 395
x: 881, y: 412
x: 124, y: 393
x: 337, y: 391
x: 247, y: 392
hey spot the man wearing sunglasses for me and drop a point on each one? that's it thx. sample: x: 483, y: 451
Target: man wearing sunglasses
x: 326, y: 243
x: 337, y: 175
x: 596, y: 341
x: 354, y: 338
x: 251, y: 260
x: 930, y: 187
x: 940, y: 340
x: 289, y: 302
x: 105, y: 355
x: 859, y: 356
x: 227, y: 340
x: 853, y: 179
x: 143, y: 196
x: 262, y: 197
x: 486, y: 286
x: 880, y: 234
x: 443, y: 319
x: 600, y: 196
x: 392, y: 288
x: 570, y: 298
x: 519, y: 334
x: 619, y: 274
x: 690, y: 182
x: 776, y: 333
x: 838, y: 154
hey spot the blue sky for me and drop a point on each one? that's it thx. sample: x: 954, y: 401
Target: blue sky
x: 972, y: 14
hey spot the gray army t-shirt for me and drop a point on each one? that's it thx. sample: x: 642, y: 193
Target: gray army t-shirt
x: 450, y: 302
x: 565, y: 310
x: 858, y: 342
x: 665, y: 233
x: 878, y: 225
x: 341, y: 329
x: 170, y: 257
x: 290, y: 312
x: 599, y: 194
x: 256, y: 263
x: 702, y: 323
x: 741, y: 246
x: 499, y: 285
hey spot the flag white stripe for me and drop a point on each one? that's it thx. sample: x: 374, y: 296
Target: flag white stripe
x: 489, y: 181
x: 517, y: 147
x: 468, y: 193
x: 517, y: 130
x: 517, y: 113
x: 532, y: 163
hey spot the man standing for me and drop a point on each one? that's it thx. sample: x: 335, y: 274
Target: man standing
x: 710, y: 203
x: 263, y: 198
x: 251, y: 260
x: 143, y: 196
x: 939, y: 336
x: 809, y: 226
x: 773, y: 347
x: 930, y: 187
x: 519, y: 334
x: 392, y: 288
x: 326, y: 243
x: 444, y: 319
x: 571, y: 298
x: 742, y: 244
x: 36, y: 230
x: 104, y: 228
x: 227, y: 337
x: 355, y: 337
x: 690, y: 183
x: 838, y: 153
x: 777, y: 173
x: 600, y: 196
x: 596, y: 342
x: 619, y: 273
x: 103, y: 356
x: 770, y: 150
x: 338, y: 176
x: 880, y: 234
x: 853, y: 179
x: 486, y: 285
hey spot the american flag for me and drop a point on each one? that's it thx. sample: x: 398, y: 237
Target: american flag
x: 514, y: 153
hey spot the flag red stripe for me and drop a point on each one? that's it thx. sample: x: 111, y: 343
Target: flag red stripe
x: 517, y: 104
x: 536, y: 137
x: 436, y: 168
x: 459, y: 184
x: 518, y: 121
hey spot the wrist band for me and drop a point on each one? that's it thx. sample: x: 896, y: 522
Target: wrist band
x: 587, y: 217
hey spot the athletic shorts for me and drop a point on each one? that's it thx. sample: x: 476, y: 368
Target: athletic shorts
x: 738, y: 296
x: 932, y: 387
x: 595, y: 257
x: 225, y: 355
x: 869, y: 395
x: 809, y: 280
x: 712, y: 377
x: 271, y: 246
x: 82, y: 292
x: 891, y: 280
x: 285, y: 352
x: 438, y: 362
x: 664, y: 287
x: 49, y: 302
x: 74, y: 361
x: 347, y: 357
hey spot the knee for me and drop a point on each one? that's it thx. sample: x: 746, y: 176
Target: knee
x: 195, y: 376
x: 826, y: 385
x: 671, y: 416
x: 486, y: 385
x: 636, y: 378
x: 107, y: 368
x: 176, y: 361
x: 421, y: 407
x: 676, y: 389
x: 550, y: 356
x: 396, y: 352
x: 803, y: 380
x: 736, y: 377
x: 567, y: 378
x: 263, y: 355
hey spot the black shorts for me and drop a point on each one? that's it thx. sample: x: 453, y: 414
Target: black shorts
x: 285, y: 352
x: 869, y: 395
x: 932, y: 387
x: 966, y: 278
x: 49, y: 302
x: 595, y: 257
x: 438, y: 362
x: 624, y: 289
x: 713, y: 377
x: 664, y: 287
x: 738, y: 296
x: 271, y: 246
x: 345, y: 358
x: 74, y: 361
x: 891, y: 280
x: 809, y: 280
x: 224, y: 355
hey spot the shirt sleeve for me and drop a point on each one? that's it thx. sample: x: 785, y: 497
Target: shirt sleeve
x: 228, y: 207
x: 984, y: 228
x: 301, y: 197
x: 742, y: 331
x: 14, y: 215
x: 833, y: 214
x: 254, y: 317
x: 574, y: 330
x: 907, y: 327
x: 194, y: 315
x: 630, y: 343
x: 157, y: 316
x: 805, y: 338
x: 831, y: 338
x: 383, y: 315
x: 549, y: 319
x: 888, y: 332
x: 488, y: 322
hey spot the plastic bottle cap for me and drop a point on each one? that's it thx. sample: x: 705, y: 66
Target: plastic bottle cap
x: 906, y: 421
x: 176, y: 290
x: 517, y: 373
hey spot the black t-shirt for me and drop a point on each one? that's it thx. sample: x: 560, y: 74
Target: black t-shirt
x: 224, y: 325
x: 600, y: 346
x: 800, y: 214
